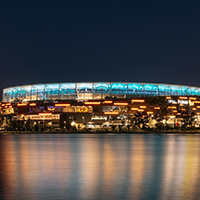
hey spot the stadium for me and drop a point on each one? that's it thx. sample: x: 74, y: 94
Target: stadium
x: 98, y: 104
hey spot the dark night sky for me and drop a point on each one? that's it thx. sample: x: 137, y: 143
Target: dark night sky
x: 142, y: 41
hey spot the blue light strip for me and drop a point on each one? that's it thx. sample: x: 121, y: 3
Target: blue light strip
x: 58, y: 91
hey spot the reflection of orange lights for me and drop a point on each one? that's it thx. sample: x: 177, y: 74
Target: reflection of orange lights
x: 51, y: 109
x: 63, y: 104
x: 120, y: 104
x: 107, y: 101
x: 32, y: 104
x: 168, y: 97
x: 142, y: 106
x: 44, y: 114
x: 157, y: 108
x: 138, y: 100
x: 111, y: 113
x: 22, y: 104
x: 134, y: 108
x: 92, y: 103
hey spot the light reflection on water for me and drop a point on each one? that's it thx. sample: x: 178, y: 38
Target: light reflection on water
x: 72, y: 166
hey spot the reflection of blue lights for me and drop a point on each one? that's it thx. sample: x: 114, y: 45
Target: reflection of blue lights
x: 62, y: 90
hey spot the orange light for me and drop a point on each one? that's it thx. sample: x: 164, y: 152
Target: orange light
x: 198, y: 113
x: 92, y: 103
x: 183, y: 98
x: 8, y: 104
x: 120, y: 104
x: 149, y: 112
x: 62, y: 104
x: 193, y: 108
x: 142, y: 106
x: 183, y: 109
x: 111, y: 113
x: 44, y: 114
x: 174, y: 110
x: 192, y: 98
x: 168, y: 97
x: 178, y: 113
x: 138, y: 100
x: 21, y: 104
x: 107, y: 101
x: 134, y: 108
x: 171, y: 107
x: 157, y: 108
x: 3, y: 104
x: 198, y: 106
x: 181, y: 104
x: 32, y: 104
x: 172, y: 116
x: 196, y: 101
x: 140, y: 110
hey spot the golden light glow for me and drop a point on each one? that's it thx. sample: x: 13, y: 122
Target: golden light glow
x: 178, y: 113
x: 120, y: 104
x: 111, y: 113
x: 108, y: 101
x: 171, y: 107
x: 174, y: 110
x: 192, y: 98
x: 181, y: 104
x: 92, y: 102
x: 50, y: 109
x: 22, y: 104
x: 32, y: 104
x: 172, y: 116
x: 183, y: 98
x: 198, y: 106
x: 193, y: 108
x: 142, y: 106
x: 196, y: 101
x: 3, y: 104
x: 62, y: 104
x: 149, y: 112
x: 134, y: 108
x: 44, y: 114
x: 168, y: 97
x: 140, y: 110
x: 8, y: 104
x: 183, y: 109
x: 157, y: 108
x: 138, y: 100
x: 198, y: 113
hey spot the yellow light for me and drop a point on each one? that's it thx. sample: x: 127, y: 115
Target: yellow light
x: 183, y: 98
x: 157, y: 108
x: 32, y: 104
x: 134, y: 108
x: 178, y: 113
x: 168, y: 97
x: 21, y: 104
x: 183, y: 109
x: 142, y: 106
x: 138, y: 100
x: 174, y: 110
x: 62, y: 104
x: 149, y: 112
x: 171, y: 107
x: 140, y: 110
x: 8, y: 104
x: 92, y: 103
x: 108, y: 101
x: 198, y: 106
x: 193, y: 108
x: 172, y: 116
x: 111, y: 113
x: 44, y: 114
x: 192, y: 98
x: 196, y: 101
x: 181, y: 104
x: 198, y: 113
x: 120, y: 104
x: 3, y: 104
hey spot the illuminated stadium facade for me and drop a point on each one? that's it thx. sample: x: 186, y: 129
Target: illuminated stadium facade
x: 86, y: 91
x: 98, y: 104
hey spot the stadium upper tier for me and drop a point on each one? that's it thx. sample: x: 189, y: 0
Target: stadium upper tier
x: 85, y: 91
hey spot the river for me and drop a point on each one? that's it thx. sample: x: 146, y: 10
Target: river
x: 99, y: 166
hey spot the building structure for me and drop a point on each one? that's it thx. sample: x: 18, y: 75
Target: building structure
x: 96, y: 104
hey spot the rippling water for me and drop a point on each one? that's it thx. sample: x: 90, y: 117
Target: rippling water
x: 81, y: 166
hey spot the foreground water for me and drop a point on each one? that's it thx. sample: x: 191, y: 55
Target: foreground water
x: 81, y: 166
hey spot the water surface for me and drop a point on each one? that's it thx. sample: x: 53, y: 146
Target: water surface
x: 99, y: 166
